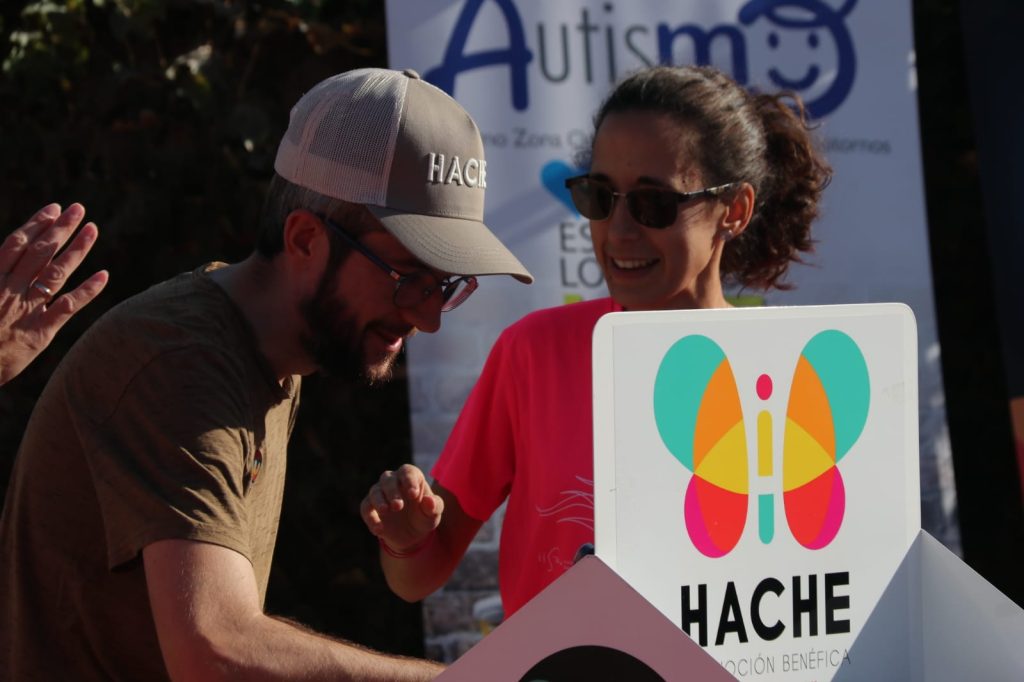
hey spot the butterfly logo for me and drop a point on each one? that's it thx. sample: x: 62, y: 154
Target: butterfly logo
x: 700, y: 420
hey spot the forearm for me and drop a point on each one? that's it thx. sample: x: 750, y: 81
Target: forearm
x: 211, y: 626
x: 267, y: 648
x: 423, y: 537
x: 422, y: 573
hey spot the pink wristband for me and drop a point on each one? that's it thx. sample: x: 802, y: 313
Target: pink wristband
x: 406, y: 553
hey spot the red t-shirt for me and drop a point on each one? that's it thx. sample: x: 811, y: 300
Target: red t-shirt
x: 526, y: 434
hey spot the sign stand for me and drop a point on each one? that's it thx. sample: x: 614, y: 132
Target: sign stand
x: 587, y: 625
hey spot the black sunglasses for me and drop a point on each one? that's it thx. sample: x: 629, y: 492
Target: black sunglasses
x: 415, y: 287
x: 651, y: 207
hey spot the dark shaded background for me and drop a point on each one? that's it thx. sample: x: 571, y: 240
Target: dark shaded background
x: 163, y: 118
x: 988, y: 482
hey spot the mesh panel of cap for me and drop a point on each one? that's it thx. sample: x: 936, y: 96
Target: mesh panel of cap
x: 341, y: 150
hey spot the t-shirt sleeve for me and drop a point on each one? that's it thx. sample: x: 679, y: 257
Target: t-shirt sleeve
x: 478, y: 462
x: 168, y: 461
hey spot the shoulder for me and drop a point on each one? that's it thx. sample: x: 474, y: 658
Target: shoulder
x: 571, y: 318
x: 182, y: 336
x: 190, y: 303
x: 188, y: 310
x: 548, y: 332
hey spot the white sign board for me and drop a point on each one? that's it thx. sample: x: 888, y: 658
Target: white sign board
x: 756, y: 473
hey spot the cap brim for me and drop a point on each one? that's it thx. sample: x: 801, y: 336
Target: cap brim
x: 454, y: 245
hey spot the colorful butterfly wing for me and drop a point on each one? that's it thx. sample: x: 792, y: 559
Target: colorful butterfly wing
x: 827, y: 410
x: 698, y: 415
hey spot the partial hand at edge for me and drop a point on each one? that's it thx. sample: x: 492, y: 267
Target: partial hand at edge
x: 31, y: 274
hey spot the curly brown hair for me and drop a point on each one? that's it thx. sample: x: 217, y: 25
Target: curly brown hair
x: 762, y: 139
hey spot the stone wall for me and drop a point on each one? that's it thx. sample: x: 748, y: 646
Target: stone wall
x: 457, y: 616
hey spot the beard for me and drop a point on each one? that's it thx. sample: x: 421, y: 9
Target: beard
x: 334, y: 341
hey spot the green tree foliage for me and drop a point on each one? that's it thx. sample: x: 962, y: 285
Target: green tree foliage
x: 163, y: 118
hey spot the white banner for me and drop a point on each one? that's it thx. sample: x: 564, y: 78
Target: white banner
x: 532, y: 74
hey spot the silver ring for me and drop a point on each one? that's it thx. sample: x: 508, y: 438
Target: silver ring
x: 43, y: 288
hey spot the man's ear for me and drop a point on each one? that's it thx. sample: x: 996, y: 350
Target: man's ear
x: 739, y: 209
x: 306, y: 251
x: 303, y: 235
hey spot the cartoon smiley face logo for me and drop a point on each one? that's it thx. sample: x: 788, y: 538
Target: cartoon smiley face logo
x: 803, y: 31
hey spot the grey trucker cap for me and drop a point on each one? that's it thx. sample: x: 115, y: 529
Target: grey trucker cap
x: 411, y: 154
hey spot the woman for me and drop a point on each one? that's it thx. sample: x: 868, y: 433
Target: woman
x: 693, y: 180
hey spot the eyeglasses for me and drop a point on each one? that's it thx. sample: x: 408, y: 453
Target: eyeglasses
x: 416, y: 287
x: 651, y: 207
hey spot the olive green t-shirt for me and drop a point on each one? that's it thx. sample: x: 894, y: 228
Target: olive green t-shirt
x: 164, y: 421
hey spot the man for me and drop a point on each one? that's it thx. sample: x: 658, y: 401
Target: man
x: 144, y: 505
x: 31, y: 274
